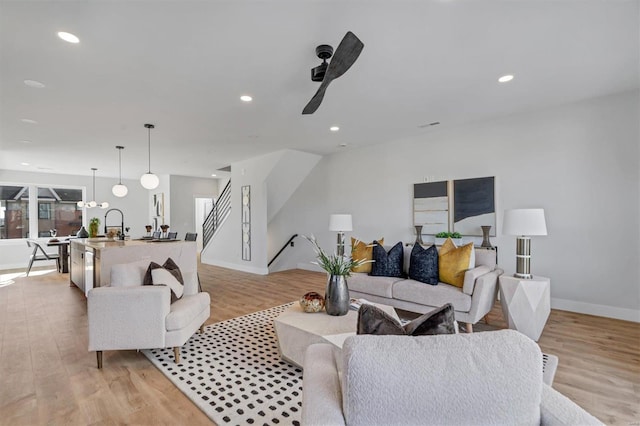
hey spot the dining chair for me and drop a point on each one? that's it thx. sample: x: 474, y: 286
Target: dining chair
x: 172, y: 235
x: 191, y: 236
x: 156, y: 235
x: 44, y: 256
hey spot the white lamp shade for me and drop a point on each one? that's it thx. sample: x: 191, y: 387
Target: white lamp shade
x: 104, y: 205
x: 80, y: 204
x: 340, y: 223
x: 149, y: 181
x: 91, y: 204
x: 119, y: 190
x: 524, y: 222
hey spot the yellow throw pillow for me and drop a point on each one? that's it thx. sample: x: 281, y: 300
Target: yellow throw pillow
x: 453, y: 262
x: 364, y: 251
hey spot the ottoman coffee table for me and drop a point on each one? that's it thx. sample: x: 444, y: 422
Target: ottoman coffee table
x: 297, y: 330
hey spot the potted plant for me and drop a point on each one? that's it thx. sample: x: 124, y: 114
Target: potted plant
x: 441, y: 237
x: 94, y: 225
x: 338, y: 269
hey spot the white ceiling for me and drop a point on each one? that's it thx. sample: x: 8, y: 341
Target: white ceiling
x: 182, y: 66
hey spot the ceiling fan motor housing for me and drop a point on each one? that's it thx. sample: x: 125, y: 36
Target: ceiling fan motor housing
x: 324, y: 52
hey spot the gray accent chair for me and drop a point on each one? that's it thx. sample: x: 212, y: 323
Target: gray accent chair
x: 480, y: 378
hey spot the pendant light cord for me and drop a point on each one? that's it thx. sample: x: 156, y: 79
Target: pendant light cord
x: 120, y: 148
x: 94, y: 183
x: 149, y: 132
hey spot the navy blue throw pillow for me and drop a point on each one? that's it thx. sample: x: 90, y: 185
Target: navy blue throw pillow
x: 423, y: 265
x: 387, y: 264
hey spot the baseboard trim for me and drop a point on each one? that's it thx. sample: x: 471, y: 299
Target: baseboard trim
x: 597, y: 310
x: 307, y: 266
x: 237, y: 267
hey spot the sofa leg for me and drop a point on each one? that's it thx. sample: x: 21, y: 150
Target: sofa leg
x: 486, y: 319
x: 176, y: 354
x: 99, y: 357
x: 469, y: 327
x: 202, y: 329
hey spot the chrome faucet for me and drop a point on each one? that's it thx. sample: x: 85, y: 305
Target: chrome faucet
x: 121, y: 224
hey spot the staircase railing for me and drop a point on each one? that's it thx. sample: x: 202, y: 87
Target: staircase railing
x: 217, y: 214
x: 282, y: 249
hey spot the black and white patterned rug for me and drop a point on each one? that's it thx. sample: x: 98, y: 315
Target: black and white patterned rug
x: 233, y: 372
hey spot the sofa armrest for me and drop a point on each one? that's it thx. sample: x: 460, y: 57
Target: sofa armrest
x: 127, y: 317
x: 470, y: 277
x: 322, y: 397
x: 484, y: 295
x: 558, y: 410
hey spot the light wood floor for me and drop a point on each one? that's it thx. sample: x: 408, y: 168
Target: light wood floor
x: 48, y: 376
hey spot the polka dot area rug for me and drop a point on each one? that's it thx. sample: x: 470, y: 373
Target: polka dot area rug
x: 233, y: 372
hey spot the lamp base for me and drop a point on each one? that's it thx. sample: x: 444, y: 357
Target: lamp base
x: 523, y: 276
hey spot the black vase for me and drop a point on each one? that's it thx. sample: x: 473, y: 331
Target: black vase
x: 336, y: 297
x: 82, y: 233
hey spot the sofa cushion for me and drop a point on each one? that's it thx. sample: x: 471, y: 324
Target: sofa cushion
x: 423, y: 266
x: 373, y: 320
x: 454, y: 261
x: 417, y: 292
x: 183, y: 311
x: 362, y: 251
x: 486, y: 257
x: 387, y: 264
x: 378, y: 286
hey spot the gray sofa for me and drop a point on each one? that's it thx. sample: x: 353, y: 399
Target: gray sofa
x: 454, y: 379
x: 471, y: 302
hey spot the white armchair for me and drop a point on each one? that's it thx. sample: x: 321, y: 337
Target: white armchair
x: 133, y: 316
x: 479, y: 378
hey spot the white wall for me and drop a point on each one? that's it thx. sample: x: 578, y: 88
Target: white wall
x: 580, y: 162
x: 15, y: 253
x: 183, y: 192
x: 273, y: 178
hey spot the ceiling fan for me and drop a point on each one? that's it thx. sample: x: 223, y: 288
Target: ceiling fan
x: 346, y: 54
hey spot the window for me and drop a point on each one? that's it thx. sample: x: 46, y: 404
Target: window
x: 58, y: 209
x: 51, y: 208
x: 14, y: 212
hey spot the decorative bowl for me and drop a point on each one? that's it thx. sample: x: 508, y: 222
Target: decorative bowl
x: 312, y: 302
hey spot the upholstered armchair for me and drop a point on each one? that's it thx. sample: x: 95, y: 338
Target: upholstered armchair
x: 479, y: 378
x: 129, y: 315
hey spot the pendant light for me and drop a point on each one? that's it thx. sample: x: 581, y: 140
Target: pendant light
x: 119, y: 190
x: 92, y: 203
x: 149, y: 180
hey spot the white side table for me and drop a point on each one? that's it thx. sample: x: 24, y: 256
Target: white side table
x: 526, y: 303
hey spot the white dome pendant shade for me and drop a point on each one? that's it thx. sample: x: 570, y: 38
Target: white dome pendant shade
x: 119, y: 190
x: 92, y: 204
x: 149, y: 180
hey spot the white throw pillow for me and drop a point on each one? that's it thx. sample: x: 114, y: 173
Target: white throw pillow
x: 161, y: 276
x: 128, y: 274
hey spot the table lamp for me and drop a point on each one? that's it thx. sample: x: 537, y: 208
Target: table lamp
x: 523, y: 223
x: 340, y: 223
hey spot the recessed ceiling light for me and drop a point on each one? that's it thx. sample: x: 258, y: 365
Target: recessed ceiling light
x: 28, y: 120
x: 334, y: 128
x: 25, y: 142
x: 213, y: 175
x: 505, y: 78
x: 246, y: 98
x: 24, y: 164
x: 343, y: 145
x: 68, y: 37
x: 34, y: 83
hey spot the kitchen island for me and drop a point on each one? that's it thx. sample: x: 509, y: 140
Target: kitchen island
x: 92, y: 258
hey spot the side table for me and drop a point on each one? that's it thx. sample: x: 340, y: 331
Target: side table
x: 526, y: 303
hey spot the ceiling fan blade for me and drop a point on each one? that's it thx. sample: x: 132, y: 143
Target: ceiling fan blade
x: 346, y: 54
